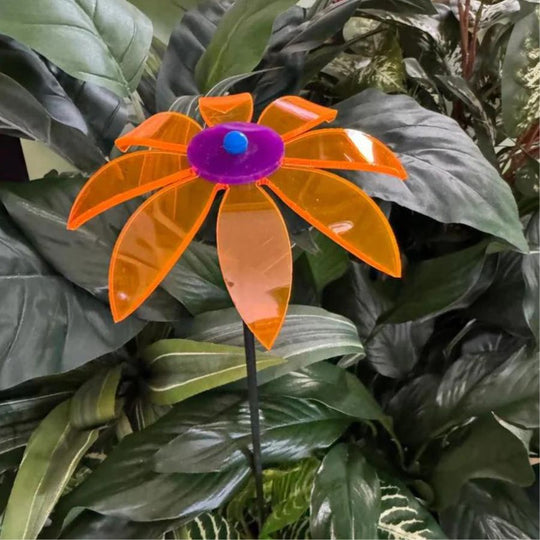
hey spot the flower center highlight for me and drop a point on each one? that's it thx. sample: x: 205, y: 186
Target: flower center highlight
x: 235, y: 153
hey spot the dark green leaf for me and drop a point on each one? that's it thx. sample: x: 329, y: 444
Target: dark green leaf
x: 41, y: 210
x: 449, y: 180
x: 308, y: 335
x: 180, y: 368
x: 488, y: 451
x: 491, y: 509
x: 51, y: 456
x: 331, y: 385
x: 402, y: 516
x: 291, y: 429
x: 109, y: 40
x: 33, y: 105
x: 49, y: 325
x: 121, y: 485
x: 94, y: 403
x: 345, y: 501
x: 247, y: 22
x: 188, y: 42
x: 520, y: 93
x: 425, y: 294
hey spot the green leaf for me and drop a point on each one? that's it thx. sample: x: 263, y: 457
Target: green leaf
x: 491, y: 509
x: 520, y: 76
x: 33, y: 105
x: 51, y: 456
x: 309, y: 335
x: 291, y: 429
x: 328, y: 263
x: 94, y: 403
x: 49, y: 325
x: 331, y: 385
x: 479, y: 383
x: 345, y: 501
x: 239, y: 41
x: 180, y: 368
x: 109, y: 39
x: 41, y: 208
x: 402, y: 516
x: 424, y: 294
x: 290, y: 495
x: 488, y: 451
x: 392, y: 349
x: 449, y: 179
x: 121, y: 484
x: 187, y: 44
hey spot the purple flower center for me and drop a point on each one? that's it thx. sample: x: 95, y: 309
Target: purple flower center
x: 235, y: 152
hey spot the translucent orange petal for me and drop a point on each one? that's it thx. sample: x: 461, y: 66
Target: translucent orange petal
x: 124, y: 178
x: 255, y: 258
x: 234, y: 108
x: 342, y: 149
x: 163, y: 131
x: 153, y: 239
x: 341, y: 211
x: 292, y: 115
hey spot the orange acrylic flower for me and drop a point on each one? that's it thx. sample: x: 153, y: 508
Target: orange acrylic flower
x: 189, y: 166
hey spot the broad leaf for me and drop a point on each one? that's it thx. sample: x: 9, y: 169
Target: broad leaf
x: 41, y: 210
x: 308, y: 335
x: 94, y: 403
x: 180, y: 368
x: 491, y: 509
x: 291, y: 429
x: 479, y: 383
x: 449, y: 179
x: 33, y: 105
x: 392, y: 349
x: 186, y: 46
x: 488, y: 451
x: 345, y: 501
x: 109, y: 39
x: 44, y: 312
x: 240, y: 39
x: 402, y: 516
x: 121, y: 484
x: 331, y: 385
x: 519, y: 88
x: 50, y: 458
x: 424, y: 294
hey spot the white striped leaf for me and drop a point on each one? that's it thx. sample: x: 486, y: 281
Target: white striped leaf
x: 403, y: 517
x: 180, y: 368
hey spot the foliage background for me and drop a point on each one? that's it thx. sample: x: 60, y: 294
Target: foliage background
x: 391, y: 408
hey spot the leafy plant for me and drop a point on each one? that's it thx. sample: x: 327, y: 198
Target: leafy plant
x: 402, y: 409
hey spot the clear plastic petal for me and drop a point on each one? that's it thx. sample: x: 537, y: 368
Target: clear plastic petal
x: 341, y: 211
x: 292, y: 115
x: 163, y: 131
x: 153, y: 239
x: 220, y: 109
x: 124, y: 178
x: 255, y: 258
x: 342, y: 149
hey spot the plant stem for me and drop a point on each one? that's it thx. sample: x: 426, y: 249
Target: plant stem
x: 253, y: 397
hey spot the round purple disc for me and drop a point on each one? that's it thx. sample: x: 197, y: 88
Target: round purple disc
x: 211, y: 160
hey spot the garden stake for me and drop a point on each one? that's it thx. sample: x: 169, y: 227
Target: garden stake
x: 253, y: 398
x: 187, y: 166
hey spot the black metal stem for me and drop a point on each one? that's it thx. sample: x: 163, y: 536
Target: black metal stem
x: 253, y: 397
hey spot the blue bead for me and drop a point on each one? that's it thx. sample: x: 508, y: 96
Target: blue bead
x: 235, y: 142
